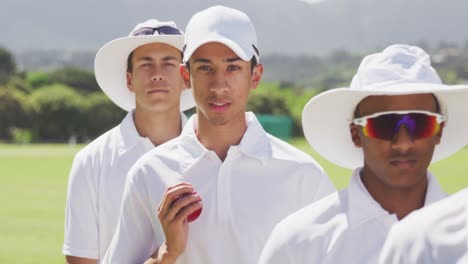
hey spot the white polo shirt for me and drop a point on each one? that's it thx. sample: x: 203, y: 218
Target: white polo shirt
x: 95, y: 188
x: 436, y: 234
x: 262, y: 180
x: 463, y: 259
x: 345, y: 227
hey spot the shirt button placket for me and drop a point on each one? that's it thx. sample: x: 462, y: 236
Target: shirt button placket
x: 224, y: 185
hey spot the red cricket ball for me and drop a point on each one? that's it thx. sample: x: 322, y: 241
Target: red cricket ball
x: 193, y: 216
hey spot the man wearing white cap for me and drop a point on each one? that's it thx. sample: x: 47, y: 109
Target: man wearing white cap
x: 435, y: 234
x: 224, y: 162
x: 139, y: 73
x: 395, y: 119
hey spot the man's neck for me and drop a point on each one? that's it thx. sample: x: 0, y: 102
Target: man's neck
x: 396, y: 200
x: 220, y: 138
x: 159, y: 127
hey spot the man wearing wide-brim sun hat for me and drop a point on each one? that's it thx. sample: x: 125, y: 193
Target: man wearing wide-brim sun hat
x: 111, y: 63
x: 140, y: 74
x: 393, y: 121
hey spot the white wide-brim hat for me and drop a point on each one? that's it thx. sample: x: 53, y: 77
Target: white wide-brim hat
x: 110, y: 64
x: 398, y: 70
x: 224, y: 25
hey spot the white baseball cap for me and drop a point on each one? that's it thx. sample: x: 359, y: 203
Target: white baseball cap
x: 110, y: 64
x: 225, y: 25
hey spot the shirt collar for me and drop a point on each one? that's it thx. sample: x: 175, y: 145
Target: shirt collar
x: 434, y: 190
x: 129, y: 134
x: 362, y: 207
x: 254, y: 142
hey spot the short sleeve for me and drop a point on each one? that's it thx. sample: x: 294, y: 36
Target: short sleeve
x: 276, y: 249
x: 81, y: 220
x: 316, y: 184
x: 325, y: 186
x: 134, y: 240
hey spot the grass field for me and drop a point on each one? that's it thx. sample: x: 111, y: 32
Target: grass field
x: 33, y: 190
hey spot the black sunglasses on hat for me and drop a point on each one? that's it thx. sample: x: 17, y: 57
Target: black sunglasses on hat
x: 164, y: 30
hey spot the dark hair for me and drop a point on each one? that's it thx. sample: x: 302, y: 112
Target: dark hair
x: 437, y: 104
x: 129, y: 62
x: 253, y: 63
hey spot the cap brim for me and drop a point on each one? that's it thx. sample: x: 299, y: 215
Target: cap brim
x: 245, y: 54
x: 111, y: 62
x: 326, y: 119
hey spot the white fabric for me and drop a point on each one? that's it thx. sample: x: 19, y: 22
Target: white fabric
x: 436, y: 234
x: 95, y: 188
x: 344, y: 227
x: 398, y: 70
x: 463, y: 259
x: 261, y: 181
x: 225, y: 25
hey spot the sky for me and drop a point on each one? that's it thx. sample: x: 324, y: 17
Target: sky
x: 294, y: 27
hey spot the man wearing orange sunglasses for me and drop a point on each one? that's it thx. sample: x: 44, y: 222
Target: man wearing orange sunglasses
x: 388, y: 126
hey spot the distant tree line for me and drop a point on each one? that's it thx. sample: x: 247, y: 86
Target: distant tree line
x: 337, y: 69
x: 66, y: 103
x: 53, y: 106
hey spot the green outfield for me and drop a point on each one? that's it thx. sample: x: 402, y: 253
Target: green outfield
x: 33, y: 189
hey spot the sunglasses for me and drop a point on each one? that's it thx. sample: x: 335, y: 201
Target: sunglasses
x: 164, y: 30
x: 385, y: 125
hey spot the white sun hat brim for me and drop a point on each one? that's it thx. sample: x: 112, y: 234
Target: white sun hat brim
x: 326, y: 121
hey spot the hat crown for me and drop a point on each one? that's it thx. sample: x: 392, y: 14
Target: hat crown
x: 395, y: 65
x: 218, y: 24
